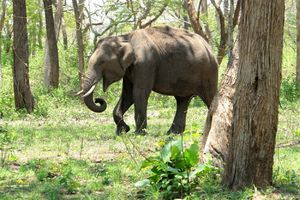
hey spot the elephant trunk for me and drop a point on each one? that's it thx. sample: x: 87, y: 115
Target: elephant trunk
x: 89, y: 84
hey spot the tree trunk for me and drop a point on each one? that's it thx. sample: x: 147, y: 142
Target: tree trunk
x: 298, y: 43
x: 80, y: 48
x: 51, y: 78
x: 33, y: 43
x: 242, y: 121
x: 23, y: 96
x: 64, y: 33
x: 40, y: 28
x: 2, y: 18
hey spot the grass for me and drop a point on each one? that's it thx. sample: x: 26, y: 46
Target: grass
x: 74, y: 154
x: 64, y: 151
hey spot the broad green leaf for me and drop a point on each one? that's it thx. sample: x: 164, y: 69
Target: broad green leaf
x: 191, y: 155
x: 199, y: 169
x: 173, y: 170
x: 175, y: 152
x: 166, y: 151
x: 151, y: 161
x: 180, y: 164
x: 142, y: 183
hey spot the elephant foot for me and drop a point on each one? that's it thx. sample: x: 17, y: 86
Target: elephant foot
x: 176, y: 130
x: 122, y: 128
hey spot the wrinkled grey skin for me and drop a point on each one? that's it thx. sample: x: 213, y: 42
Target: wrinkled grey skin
x: 162, y: 59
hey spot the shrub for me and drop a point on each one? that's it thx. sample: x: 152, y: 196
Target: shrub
x: 175, y: 172
x: 290, y: 90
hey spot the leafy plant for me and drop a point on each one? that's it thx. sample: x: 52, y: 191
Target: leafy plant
x: 175, y: 172
x: 7, y: 146
x: 56, y: 177
x: 290, y: 89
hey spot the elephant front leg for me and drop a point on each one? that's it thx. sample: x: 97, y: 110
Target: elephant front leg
x: 125, y: 101
x: 140, y: 109
x: 179, y: 121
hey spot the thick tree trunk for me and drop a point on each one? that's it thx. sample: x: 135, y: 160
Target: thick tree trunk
x: 242, y: 121
x: 298, y: 43
x: 80, y: 48
x: 23, y: 96
x: 51, y: 78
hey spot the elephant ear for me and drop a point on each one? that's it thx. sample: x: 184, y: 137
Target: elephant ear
x: 126, y: 55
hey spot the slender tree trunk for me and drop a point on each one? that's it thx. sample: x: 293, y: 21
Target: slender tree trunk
x: 23, y: 96
x: 242, y: 121
x: 64, y: 33
x: 40, y: 28
x: 51, y: 78
x: 80, y: 48
x: 2, y: 18
x: 33, y: 43
x: 58, y: 17
x: 298, y: 43
x: 57, y: 24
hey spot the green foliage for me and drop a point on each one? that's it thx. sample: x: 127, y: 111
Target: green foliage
x: 58, y: 178
x: 7, y: 146
x: 287, y: 180
x: 290, y: 90
x: 175, y: 172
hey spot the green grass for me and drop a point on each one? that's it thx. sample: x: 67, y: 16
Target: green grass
x: 74, y: 154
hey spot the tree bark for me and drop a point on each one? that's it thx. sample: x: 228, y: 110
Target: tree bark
x: 64, y: 33
x: 2, y: 18
x: 22, y: 93
x: 80, y: 48
x: 298, y: 43
x: 51, y: 78
x: 34, y: 40
x: 242, y: 121
x: 40, y: 28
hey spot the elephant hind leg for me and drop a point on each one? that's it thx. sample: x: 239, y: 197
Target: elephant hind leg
x: 124, y: 103
x: 178, y: 125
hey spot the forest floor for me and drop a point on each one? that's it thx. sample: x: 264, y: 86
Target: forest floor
x: 72, y: 153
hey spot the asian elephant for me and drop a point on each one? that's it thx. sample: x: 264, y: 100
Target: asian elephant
x: 166, y: 60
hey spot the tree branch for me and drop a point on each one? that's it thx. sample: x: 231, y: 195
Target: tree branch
x: 189, y: 5
x: 223, y: 33
x: 155, y: 18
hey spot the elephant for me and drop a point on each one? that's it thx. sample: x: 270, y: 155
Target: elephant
x: 166, y: 60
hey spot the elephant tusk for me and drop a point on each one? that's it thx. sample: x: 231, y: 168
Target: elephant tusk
x: 79, y: 93
x: 89, y: 92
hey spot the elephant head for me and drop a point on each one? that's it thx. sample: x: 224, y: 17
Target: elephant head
x: 109, y: 62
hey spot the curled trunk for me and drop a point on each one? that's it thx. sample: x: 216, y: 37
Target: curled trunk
x: 88, y: 85
x: 92, y: 105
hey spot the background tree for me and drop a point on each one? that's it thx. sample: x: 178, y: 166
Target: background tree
x: 242, y: 121
x: 51, y: 76
x: 298, y: 43
x: 194, y: 18
x: 2, y: 18
x: 23, y: 96
x: 78, y: 13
